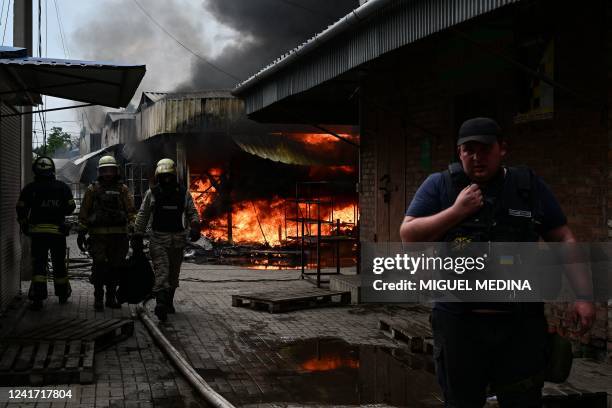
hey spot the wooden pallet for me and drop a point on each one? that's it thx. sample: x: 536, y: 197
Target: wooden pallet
x: 103, y: 332
x: 276, y: 302
x: 46, y: 362
x: 414, y: 333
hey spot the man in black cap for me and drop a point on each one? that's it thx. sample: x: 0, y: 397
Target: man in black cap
x: 489, y: 344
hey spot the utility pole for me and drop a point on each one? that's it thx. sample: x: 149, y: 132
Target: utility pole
x: 22, y: 37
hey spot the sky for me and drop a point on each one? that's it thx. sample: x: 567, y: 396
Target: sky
x: 221, y: 41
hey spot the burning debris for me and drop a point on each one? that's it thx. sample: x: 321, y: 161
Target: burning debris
x: 254, y: 210
x: 236, y: 211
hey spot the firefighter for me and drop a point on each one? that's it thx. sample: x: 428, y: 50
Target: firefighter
x: 41, y: 211
x: 173, y: 216
x: 107, y: 215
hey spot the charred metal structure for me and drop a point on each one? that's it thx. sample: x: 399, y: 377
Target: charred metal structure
x: 242, y: 174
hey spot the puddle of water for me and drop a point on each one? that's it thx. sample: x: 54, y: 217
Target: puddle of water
x: 331, y: 371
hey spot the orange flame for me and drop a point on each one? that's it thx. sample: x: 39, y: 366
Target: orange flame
x: 260, y: 221
x: 320, y: 138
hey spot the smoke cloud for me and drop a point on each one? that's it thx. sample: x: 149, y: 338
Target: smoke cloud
x: 267, y: 29
x: 239, y: 36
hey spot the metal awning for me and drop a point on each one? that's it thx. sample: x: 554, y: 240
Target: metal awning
x: 375, y: 28
x: 23, y: 78
x: 288, y: 149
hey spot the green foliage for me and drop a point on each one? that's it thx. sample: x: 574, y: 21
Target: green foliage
x: 57, y: 140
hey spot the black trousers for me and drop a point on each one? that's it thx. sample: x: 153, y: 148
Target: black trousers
x: 42, y: 244
x: 475, y: 351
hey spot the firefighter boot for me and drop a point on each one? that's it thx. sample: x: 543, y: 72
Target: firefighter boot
x: 171, y: 309
x: 99, y: 298
x: 111, y: 297
x: 161, y: 310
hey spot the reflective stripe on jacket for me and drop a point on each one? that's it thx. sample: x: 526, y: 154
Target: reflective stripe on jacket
x: 45, y: 229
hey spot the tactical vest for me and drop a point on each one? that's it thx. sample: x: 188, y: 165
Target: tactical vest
x: 168, y: 209
x: 510, y: 209
x: 509, y: 214
x: 109, y: 207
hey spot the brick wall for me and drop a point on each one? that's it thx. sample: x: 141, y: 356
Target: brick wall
x: 419, y: 94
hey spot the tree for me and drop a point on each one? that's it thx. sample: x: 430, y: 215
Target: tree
x: 57, y: 140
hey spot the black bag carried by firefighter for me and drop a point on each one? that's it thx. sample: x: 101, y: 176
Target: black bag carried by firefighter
x: 137, y: 278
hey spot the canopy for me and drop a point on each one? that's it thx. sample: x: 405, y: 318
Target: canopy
x: 22, y: 78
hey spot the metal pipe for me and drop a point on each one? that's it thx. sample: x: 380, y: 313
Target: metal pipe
x: 196, y: 381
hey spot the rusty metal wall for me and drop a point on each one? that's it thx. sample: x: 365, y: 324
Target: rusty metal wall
x: 399, y: 23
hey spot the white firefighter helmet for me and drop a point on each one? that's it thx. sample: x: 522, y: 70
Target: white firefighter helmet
x: 165, y: 166
x: 107, y: 161
x: 43, y: 166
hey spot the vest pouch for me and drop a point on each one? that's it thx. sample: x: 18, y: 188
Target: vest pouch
x: 108, y: 209
x: 560, y: 359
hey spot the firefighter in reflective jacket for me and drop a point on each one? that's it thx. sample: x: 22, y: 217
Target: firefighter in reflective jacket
x: 41, y: 209
x: 173, y: 214
x: 107, y: 215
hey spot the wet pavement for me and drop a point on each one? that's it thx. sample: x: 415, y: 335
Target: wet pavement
x: 316, y: 357
x: 132, y: 373
x: 329, y: 356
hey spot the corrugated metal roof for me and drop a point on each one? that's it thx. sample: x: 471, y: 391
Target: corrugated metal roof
x: 199, y: 94
x: 375, y: 28
x: 154, y: 96
x: 290, y: 149
x: 97, y: 82
x: 189, y: 112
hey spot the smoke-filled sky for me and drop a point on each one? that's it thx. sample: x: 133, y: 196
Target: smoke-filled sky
x: 239, y: 36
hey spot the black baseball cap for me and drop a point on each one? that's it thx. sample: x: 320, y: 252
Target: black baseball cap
x: 483, y: 130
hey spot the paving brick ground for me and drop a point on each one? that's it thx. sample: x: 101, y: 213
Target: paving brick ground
x: 133, y: 373
x: 253, y: 358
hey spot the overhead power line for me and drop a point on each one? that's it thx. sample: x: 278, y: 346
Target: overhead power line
x: 61, y: 30
x: 216, y: 67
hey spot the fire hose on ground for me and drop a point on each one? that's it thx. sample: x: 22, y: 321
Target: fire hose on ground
x: 196, y: 381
